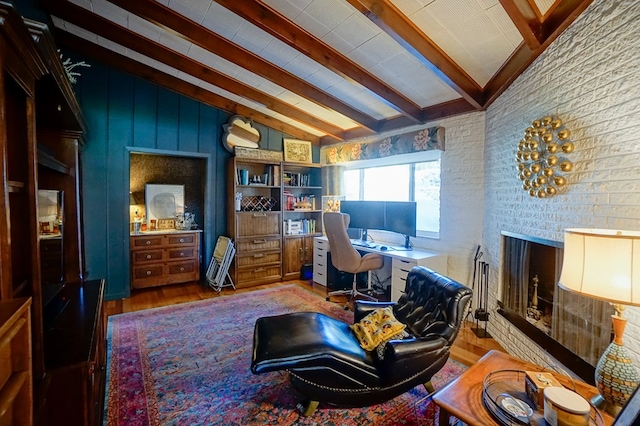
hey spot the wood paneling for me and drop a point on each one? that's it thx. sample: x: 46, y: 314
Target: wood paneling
x: 123, y: 113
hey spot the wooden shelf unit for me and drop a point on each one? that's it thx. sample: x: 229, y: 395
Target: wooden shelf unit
x: 266, y: 252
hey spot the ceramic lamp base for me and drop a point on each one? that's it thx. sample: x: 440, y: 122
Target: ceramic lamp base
x: 616, y: 377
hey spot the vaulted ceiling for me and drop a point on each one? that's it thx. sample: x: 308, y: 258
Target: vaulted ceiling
x: 321, y: 70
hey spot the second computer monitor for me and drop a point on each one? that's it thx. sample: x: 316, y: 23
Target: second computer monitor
x: 394, y: 216
x: 400, y: 217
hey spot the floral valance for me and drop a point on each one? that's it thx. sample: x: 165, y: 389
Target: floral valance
x: 417, y: 141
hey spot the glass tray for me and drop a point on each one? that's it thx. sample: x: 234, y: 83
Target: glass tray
x: 504, y: 396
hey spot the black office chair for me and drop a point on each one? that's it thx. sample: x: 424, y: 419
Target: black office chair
x: 345, y: 257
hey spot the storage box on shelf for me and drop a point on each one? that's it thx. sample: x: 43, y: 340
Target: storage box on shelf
x: 159, y: 258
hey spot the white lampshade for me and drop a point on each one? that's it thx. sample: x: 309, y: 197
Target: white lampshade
x: 603, y: 264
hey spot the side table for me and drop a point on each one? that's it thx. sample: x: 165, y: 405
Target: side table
x: 462, y: 398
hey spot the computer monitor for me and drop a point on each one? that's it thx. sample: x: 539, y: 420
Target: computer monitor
x: 400, y: 217
x: 364, y: 215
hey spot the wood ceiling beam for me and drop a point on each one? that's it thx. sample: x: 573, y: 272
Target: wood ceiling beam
x: 163, y: 16
x: 400, y: 28
x: 563, y: 14
x: 556, y: 22
x: 432, y: 113
x: 117, y: 34
x: 270, y: 21
x: 145, y: 72
x: 527, y: 21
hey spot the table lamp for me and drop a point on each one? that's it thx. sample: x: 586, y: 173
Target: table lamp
x: 605, y: 264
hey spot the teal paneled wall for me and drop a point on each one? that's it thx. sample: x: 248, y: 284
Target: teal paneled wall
x: 125, y: 114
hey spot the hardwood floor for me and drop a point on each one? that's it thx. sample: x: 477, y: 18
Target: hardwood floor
x: 467, y: 349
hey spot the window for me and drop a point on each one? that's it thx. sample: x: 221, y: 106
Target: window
x: 419, y: 182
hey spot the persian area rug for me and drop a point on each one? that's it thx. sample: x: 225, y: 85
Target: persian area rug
x: 190, y: 364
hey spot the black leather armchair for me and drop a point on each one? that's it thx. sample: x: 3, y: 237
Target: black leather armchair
x: 327, y: 364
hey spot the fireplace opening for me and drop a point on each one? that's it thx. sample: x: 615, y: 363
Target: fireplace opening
x: 572, y: 328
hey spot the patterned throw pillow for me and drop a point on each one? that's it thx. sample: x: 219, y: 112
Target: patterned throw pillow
x: 378, y: 326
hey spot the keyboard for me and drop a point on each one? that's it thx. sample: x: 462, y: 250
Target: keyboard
x: 361, y: 243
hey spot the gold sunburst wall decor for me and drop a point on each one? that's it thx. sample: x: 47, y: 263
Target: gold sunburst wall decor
x: 542, y: 157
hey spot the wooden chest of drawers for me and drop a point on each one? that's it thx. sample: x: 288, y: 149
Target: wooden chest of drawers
x: 164, y: 258
x: 258, y: 258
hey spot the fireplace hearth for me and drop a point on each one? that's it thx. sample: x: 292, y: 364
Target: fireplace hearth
x: 573, y: 329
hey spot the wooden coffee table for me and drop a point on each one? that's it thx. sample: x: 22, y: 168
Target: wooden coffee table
x: 462, y: 398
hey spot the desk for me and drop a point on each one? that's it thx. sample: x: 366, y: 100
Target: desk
x: 397, y: 265
x: 462, y: 398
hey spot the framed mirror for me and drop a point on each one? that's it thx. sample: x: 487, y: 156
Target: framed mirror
x: 51, y: 241
x: 239, y: 131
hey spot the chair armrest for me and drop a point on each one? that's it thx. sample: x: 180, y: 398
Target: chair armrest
x: 361, y: 308
x: 403, y: 358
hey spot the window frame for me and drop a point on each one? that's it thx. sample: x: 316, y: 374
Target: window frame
x: 409, y: 159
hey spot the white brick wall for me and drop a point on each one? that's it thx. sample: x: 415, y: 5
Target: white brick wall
x: 590, y: 78
x: 461, y: 194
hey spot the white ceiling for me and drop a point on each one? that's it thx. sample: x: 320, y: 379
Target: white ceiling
x: 474, y: 38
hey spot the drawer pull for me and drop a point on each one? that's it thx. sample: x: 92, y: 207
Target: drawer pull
x: 259, y: 241
x: 148, y: 272
x: 147, y: 242
x: 259, y: 270
x: 182, y: 269
x: 258, y: 255
x: 148, y: 256
x: 182, y: 240
x: 181, y: 254
x: 259, y: 215
x: 404, y: 270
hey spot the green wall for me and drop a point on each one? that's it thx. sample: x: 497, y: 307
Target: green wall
x: 125, y: 113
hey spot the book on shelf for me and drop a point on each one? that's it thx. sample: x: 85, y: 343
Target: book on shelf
x: 299, y: 226
x: 296, y: 179
x: 299, y: 202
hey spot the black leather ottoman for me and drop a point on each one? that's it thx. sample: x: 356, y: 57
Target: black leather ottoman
x: 311, y: 341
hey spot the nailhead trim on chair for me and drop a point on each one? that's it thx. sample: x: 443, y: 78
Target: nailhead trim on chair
x: 302, y: 379
x: 367, y: 389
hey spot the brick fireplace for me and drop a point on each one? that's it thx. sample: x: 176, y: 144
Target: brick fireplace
x: 573, y: 329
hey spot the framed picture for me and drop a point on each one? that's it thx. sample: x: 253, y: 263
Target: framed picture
x: 297, y: 151
x: 163, y: 201
x: 166, y: 224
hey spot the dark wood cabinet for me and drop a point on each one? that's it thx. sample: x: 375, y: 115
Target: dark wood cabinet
x: 298, y: 251
x: 75, y: 360
x: 41, y: 130
x: 15, y: 369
